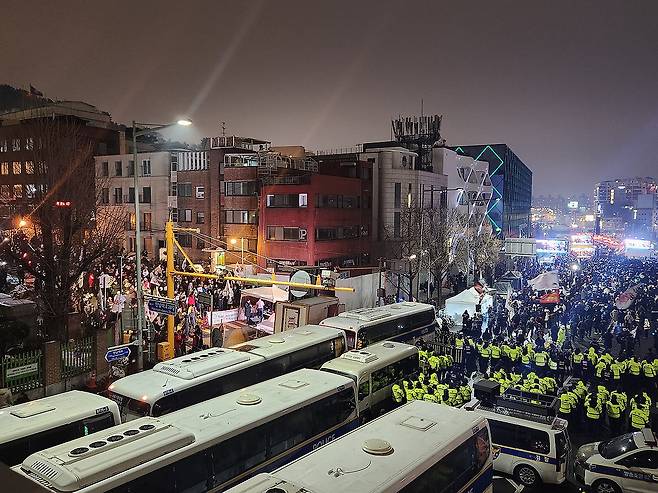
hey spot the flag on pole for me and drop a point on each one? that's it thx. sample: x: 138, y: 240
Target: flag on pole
x: 35, y: 92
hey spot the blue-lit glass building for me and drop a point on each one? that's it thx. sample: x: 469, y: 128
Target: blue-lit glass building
x: 511, y: 179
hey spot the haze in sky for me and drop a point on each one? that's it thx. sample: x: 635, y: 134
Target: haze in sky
x: 569, y: 85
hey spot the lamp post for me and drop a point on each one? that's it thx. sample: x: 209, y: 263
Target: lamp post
x: 147, y: 128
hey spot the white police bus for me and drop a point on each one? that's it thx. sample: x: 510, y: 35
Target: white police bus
x: 419, y: 447
x: 36, y: 425
x: 404, y: 322
x: 210, y: 446
x: 529, y: 442
x: 374, y: 370
x: 196, y: 377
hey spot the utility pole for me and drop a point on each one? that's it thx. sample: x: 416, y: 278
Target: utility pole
x: 138, y: 255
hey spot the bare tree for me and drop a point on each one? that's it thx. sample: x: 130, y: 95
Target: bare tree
x: 434, y: 240
x: 474, y: 246
x: 66, y: 233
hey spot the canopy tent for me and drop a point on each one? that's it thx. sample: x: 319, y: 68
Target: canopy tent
x: 266, y: 293
x: 466, y: 300
x: 547, y: 281
x: 514, y: 278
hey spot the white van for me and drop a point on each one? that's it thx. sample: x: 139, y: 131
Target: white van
x: 374, y: 370
x: 532, y: 447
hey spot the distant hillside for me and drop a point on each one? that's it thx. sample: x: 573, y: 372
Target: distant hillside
x: 12, y: 98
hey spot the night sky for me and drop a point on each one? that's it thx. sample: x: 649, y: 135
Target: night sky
x: 571, y: 86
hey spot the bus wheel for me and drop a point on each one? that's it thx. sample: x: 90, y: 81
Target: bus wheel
x: 526, y: 475
x: 605, y: 486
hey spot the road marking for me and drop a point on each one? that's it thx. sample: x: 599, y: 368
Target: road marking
x: 518, y: 488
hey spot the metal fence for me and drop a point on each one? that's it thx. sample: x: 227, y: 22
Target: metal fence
x: 22, y: 372
x: 78, y: 357
x: 446, y: 345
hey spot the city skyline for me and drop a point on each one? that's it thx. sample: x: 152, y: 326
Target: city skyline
x: 330, y: 76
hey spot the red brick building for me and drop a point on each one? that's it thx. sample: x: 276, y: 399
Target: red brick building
x: 314, y: 219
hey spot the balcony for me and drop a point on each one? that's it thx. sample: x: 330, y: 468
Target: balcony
x: 235, y: 142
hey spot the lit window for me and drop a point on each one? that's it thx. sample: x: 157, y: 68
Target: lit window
x: 29, y: 167
x: 4, y: 168
x: 18, y: 191
x: 17, y: 167
x: 15, y: 144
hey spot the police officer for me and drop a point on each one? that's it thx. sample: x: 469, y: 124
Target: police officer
x: 485, y: 352
x: 593, y: 411
x: 614, y: 410
x: 577, y: 360
x: 430, y: 396
x: 639, y: 419
x: 565, y: 406
x: 398, y: 393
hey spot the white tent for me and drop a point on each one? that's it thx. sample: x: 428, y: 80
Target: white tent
x: 466, y: 300
x: 546, y: 281
x: 266, y: 293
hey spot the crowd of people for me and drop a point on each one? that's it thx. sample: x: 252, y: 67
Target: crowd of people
x: 594, y: 349
x: 104, y: 293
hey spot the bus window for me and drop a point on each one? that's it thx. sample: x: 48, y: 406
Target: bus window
x: 364, y: 389
x: 97, y: 423
x: 351, y: 338
x: 339, y: 346
x: 134, y: 409
x: 362, y: 340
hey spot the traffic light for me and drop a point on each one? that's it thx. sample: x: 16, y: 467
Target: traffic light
x: 63, y: 203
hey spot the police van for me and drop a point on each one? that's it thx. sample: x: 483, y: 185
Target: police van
x: 375, y: 369
x: 626, y: 463
x: 530, y: 443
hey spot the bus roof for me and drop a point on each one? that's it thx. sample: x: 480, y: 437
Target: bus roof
x: 42, y: 414
x: 416, y: 432
x: 183, y: 371
x: 378, y: 355
x: 88, y: 460
x: 277, y: 344
x: 186, y: 371
x: 362, y: 316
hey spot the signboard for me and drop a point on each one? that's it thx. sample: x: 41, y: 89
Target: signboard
x: 522, y: 247
x: 573, y: 204
x: 223, y: 316
x: 117, y: 353
x: 164, y: 306
x: 552, y: 247
x: 22, y: 371
x: 204, y: 298
x: 582, y: 245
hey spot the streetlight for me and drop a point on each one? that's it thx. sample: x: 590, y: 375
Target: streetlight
x: 22, y: 223
x: 147, y: 128
x: 235, y: 242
